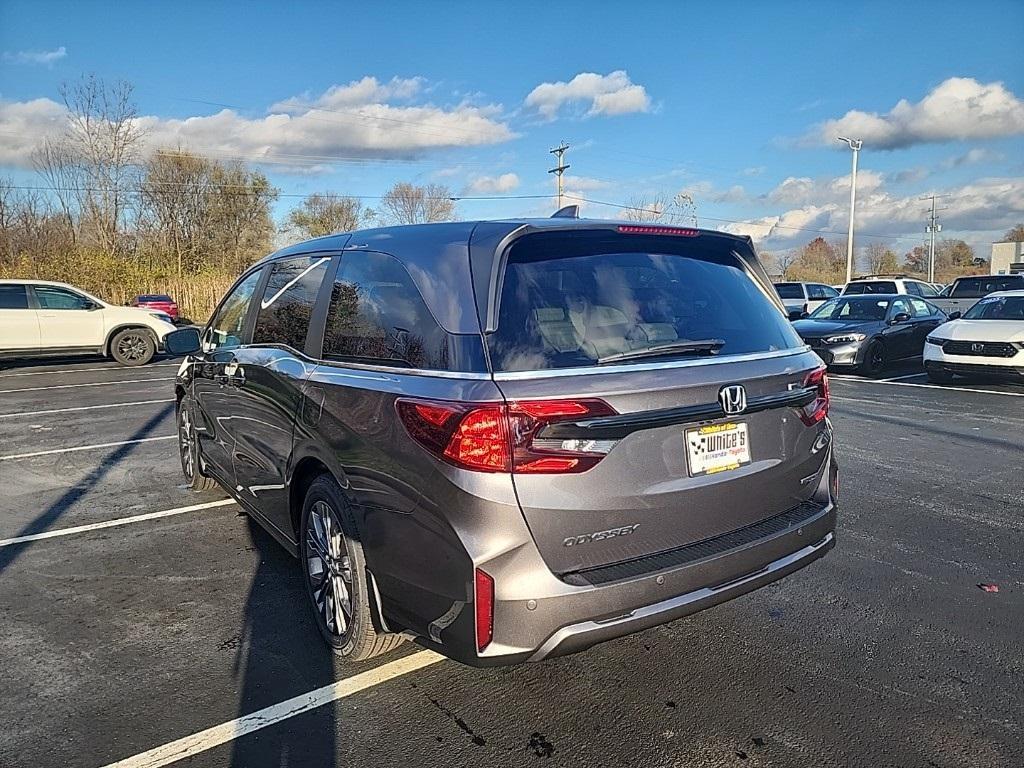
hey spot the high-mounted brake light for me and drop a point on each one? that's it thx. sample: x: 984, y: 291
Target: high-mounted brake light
x: 484, y: 605
x: 647, y: 229
x: 504, y: 437
x: 816, y: 410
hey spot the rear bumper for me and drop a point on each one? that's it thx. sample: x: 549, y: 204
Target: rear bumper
x: 538, y: 615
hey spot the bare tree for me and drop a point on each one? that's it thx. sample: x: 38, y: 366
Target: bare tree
x: 325, y: 213
x: 407, y: 203
x: 882, y: 260
x: 1015, y: 235
x: 93, y: 165
x: 679, y: 210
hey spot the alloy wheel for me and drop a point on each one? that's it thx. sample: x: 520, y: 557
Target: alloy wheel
x: 329, y: 568
x: 132, y: 346
x: 186, y: 444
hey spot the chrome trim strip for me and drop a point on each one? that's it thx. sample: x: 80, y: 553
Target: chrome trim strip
x: 330, y: 369
x: 667, y: 606
x: 688, y: 363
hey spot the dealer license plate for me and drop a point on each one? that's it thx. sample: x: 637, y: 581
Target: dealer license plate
x: 717, y: 448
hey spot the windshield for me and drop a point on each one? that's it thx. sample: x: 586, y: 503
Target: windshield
x: 997, y: 308
x: 790, y: 290
x: 852, y: 309
x: 574, y: 300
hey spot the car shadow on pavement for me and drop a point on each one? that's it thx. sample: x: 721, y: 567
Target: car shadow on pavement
x: 280, y: 655
x: 45, y: 520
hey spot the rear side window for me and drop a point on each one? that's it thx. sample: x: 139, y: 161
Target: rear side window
x: 574, y: 300
x: 377, y: 316
x: 287, y: 304
x: 870, y: 286
x: 13, y: 297
x: 59, y: 298
x: 790, y: 290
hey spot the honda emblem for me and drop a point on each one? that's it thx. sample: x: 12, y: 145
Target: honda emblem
x: 977, y: 348
x: 733, y: 399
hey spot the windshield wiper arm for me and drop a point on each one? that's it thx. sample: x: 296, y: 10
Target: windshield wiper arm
x: 700, y: 347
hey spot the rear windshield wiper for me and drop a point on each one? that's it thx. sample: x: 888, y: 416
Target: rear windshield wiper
x: 699, y: 347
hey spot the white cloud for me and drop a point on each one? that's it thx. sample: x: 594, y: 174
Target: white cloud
x: 958, y: 109
x: 491, y: 185
x: 985, y: 207
x: 46, y: 58
x: 757, y: 170
x: 611, y: 94
x: 295, y: 136
x: 973, y: 157
x: 585, y: 183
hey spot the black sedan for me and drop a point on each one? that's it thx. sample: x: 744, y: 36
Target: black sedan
x: 867, y: 332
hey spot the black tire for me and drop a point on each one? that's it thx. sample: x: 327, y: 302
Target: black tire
x: 874, y: 359
x: 188, y: 448
x: 133, y: 346
x: 332, y: 562
x: 939, y: 376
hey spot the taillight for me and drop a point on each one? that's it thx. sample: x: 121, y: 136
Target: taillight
x: 484, y: 603
x: 500, y: 437
x: 817, y: 409
x: 647, y: 229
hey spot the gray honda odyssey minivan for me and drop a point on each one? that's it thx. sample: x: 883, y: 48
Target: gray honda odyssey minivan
x: 510, y: 440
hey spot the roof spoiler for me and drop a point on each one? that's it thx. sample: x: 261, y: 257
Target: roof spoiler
x: 567, y: 212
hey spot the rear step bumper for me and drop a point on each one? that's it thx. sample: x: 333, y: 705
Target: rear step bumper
x: 584, y: 634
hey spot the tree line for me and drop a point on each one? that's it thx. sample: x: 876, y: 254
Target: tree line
x: 117, y: 218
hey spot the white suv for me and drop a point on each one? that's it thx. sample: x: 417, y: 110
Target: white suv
x: 889, y: 284
x: 42, y: 318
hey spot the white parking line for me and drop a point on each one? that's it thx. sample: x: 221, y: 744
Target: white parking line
x: 242, y: 726
x: 944, y: 387
x: 114, y: 523
x: 13, y: 456
x: 58, y: 371
x: 83, y: 408
x: 901, y: 378
x: 93, y: 384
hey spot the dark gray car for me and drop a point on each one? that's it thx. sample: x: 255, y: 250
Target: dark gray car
x: 512, y: 440
x: 867, y: 332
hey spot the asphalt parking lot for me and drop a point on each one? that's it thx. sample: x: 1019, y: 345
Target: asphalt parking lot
x: 183, y: 638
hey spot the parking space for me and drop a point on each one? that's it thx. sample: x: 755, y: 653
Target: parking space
x: 155, y: 641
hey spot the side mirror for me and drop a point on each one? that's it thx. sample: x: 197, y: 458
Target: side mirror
x: 900, y: 317
x: 182, y: 342
x: 954, y: 315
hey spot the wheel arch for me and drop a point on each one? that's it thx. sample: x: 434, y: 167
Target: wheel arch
x: 126, y: 327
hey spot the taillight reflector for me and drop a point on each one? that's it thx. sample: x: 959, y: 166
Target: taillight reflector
x: 499, y: 437
x: 818, y: 409
x: 647, y: 229
x: 484, y: 603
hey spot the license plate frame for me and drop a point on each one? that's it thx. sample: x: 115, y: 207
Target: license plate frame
x: 723, y: 454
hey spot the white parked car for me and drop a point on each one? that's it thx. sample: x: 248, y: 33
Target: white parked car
x: 40, y: 318
x: 890, y: 284
x: 800, y: 298
x: 988, y: 338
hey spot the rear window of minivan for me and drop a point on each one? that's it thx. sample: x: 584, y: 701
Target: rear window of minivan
x: 571, y: 300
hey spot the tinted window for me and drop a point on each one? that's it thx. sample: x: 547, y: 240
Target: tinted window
x: 830, y: 292
x: 854, y: 308
x: 288, y: 300
x: 997, y: 308
x: 569, y: 301
x: 925, y: 289
x: 819, y: 292
x: 227, y: 326
x: 914, y: 289
x: 901, y: 306
x: 870, y: 286
x: 154, y: 297
x: 378, y: 316
x: 790, y: 290
x: 59, y: 298
x: 13, y: 297
x: 973, y: 287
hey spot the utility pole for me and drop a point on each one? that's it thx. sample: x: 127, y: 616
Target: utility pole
x: 855, y: 145
x: 931, y: 229
x: 559, y: 152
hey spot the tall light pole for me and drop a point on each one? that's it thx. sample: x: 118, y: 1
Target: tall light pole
x: 559, y: 152
x: 855, y: 145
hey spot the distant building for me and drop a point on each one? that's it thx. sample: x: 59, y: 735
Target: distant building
x: 1007, y: 258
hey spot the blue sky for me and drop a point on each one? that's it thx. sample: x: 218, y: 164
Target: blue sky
x: 730, y: 102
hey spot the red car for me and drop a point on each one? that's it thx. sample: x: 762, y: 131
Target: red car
x: 159, y: 301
